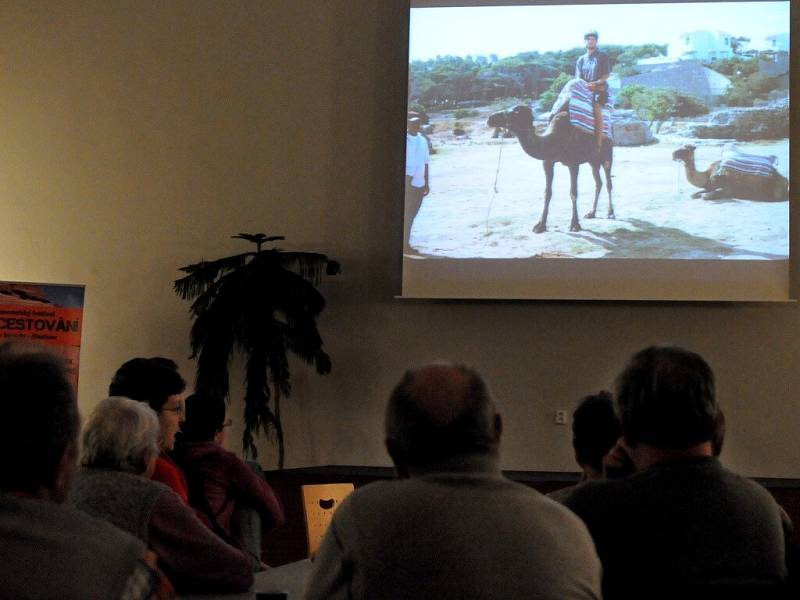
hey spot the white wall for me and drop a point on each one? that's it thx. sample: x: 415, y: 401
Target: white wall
x: 701, y: 45
x: 138, y: 136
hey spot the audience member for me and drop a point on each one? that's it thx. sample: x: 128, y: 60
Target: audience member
x: 51, y: 550
x: 595, y: 430
x: 120, y: 450
x: 157, y: 382
x: 234, y: 495
x: 681, y: 521
x: 452, y: 526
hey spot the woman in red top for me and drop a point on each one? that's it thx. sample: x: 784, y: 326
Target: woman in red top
x: 156, y: 381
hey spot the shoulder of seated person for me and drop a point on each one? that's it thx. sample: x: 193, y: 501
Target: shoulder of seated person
x: 221, y: 454
x: 208, y: 449
x: 82, y: 523
x: 161, y: 486
x: 164, y: 464
x: 170, y: 499
x: 591, y: 490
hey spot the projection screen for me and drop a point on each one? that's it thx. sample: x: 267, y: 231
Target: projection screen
x: 683, y: 107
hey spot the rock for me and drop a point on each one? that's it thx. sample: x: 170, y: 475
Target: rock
x: 779, y: 97
x: 631, y: 132
x: 498, y: 131
x: 623, y: 114
x: 747, y: 124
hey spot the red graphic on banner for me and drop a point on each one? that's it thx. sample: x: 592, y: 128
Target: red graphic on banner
x: 48, y: 314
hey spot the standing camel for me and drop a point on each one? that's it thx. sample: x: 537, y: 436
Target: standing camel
x: 563, y: 143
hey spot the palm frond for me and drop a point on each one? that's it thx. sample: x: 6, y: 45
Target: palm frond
x: 290, y: 292
x: 258, y: 237
x: 226, y: 293
x: 257, y: 414
x: 203, y: 274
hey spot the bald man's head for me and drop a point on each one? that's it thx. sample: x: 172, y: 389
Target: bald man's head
x: 439, y: 411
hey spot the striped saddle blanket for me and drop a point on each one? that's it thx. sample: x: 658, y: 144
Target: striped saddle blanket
x: 581, y: 108
x: 734, y: 159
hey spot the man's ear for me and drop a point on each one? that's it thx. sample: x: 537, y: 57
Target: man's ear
x: 398, y: 458
x: 498, y: 427
x: 65, y: 473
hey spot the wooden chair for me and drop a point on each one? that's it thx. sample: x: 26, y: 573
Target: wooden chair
x: 319, y: 503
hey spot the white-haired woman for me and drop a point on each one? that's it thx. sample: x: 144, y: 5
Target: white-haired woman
x: 119, y: 451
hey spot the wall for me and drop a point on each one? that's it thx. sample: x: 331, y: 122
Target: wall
x: 138, y: 136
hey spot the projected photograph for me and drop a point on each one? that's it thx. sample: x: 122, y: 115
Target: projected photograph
x: 649, y: 131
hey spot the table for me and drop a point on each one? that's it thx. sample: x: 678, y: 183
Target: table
x: 291, y: 578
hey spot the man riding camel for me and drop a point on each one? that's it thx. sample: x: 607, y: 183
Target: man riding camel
x: 594, y: 68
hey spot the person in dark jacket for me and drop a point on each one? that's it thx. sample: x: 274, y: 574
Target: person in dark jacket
x: 233, y: 494
x: 681, y: 523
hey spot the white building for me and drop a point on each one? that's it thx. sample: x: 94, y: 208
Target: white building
x: 773, y: 43
x: 702, y: 45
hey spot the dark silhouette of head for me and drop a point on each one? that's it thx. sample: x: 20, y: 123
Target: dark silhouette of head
x: 152, y: 380
x: 718, y: 440
x: 595, y: 430
x: 666, y: 399
x: 438, y: 412
x: 39, y: 444
x: 205, y: 416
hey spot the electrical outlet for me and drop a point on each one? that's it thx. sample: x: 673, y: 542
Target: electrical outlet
x: 561, y: 417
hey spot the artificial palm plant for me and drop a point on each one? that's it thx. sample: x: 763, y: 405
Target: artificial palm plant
x: 263, y: 304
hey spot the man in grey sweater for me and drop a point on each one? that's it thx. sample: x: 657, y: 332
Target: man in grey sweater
x: 452, y: 526
x: 50, y: 550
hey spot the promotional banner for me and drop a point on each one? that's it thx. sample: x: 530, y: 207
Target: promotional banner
x: 47, y: 314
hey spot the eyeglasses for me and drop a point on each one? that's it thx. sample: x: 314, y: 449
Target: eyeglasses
x: 180, y: 410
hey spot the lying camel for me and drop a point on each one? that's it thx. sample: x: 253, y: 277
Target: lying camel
x: 718, y: 181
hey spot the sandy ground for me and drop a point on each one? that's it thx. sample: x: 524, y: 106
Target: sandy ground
x: 463, y: 217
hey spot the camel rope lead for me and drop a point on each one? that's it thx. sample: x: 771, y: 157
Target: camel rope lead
x: 496, y: 177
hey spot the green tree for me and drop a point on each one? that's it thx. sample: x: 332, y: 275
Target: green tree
x: 686, y: 105
x: 446, y: 81
x: 657, y: 105
x: 744, y: 91
x: 625, y: 97
x: 653, y: 106
x: 627, y: 56
x: 735, y: 67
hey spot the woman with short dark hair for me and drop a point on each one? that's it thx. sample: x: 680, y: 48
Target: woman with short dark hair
x: 157, y: 382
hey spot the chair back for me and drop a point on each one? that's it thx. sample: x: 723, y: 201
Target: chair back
x: 320, y: 501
